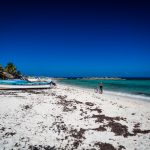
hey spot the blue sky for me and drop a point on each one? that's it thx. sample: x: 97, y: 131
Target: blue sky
x: 76, y: 38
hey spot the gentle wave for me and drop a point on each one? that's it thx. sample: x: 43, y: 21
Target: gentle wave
x: 128, y: 95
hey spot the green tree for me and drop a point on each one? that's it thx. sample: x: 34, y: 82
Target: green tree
x: 11, y: 68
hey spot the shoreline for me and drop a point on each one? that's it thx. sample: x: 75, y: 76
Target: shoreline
x: 114, y: 93
x: 69, y: 117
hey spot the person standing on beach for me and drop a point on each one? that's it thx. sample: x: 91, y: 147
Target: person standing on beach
x: 101, y: 87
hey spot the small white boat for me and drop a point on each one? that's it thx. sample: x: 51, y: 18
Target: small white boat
x: 39, y: 80
x: 33, y: 80
x: 20, y: 87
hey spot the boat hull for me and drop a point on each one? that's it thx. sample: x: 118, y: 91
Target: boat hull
x: 21, y: 87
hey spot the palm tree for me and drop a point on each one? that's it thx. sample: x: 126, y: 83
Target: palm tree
x: 11, y: 68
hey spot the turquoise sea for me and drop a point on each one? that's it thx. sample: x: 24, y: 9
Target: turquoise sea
x: 133, y: 87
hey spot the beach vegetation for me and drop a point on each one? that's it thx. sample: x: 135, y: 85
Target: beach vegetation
x: 10, y: 71
x: 11, y: 68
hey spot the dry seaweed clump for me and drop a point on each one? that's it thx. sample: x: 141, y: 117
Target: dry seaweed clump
x: 78, y: 134
x: 121, y: 147
x: 78, y: 137
x: 40, y: 147
x: 77, y: 102
x: 62, y: 97
x: 26, y: 107
x: 104, y: 146
x: 96, y: 109
x: 76, y: 143
x: 8, y: 134
x: 89, y: 104
x: 136, y: 131
x: 119, y: 129
x: 116, y: 127
x: 67, y: 105
x: 101, y: 118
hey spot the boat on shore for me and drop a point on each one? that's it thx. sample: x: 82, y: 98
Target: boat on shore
x: 38, y: 79
x: 21, y: 87
x: 22, y: 84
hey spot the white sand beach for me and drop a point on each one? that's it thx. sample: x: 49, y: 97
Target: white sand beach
x: 68, y: 117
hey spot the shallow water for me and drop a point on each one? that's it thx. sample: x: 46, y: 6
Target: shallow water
x: 136, y: 87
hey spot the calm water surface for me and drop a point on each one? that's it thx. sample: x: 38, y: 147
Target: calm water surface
x: 134, y: 86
